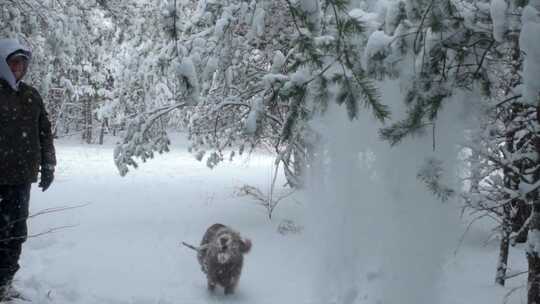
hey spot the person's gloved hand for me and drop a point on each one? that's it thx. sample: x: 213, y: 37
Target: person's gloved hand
x: 47, y: 177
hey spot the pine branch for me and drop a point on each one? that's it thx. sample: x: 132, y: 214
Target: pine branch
x: 412, y: 125
x: 431, y: 174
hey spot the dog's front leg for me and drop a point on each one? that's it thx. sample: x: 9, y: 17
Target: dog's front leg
x: 211, y: 284
x: 229, y: 289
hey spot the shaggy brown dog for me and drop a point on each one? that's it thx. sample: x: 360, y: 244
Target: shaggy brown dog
x: 221, y: 256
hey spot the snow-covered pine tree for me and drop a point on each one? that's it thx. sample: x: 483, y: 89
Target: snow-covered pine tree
x: 147, y: 70
x: 445, y: 49
x: 256, y: 72
x: 53, y: 31
x: 473, y: 46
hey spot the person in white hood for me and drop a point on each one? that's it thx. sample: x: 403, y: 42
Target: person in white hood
x: 10, y: 47
x: 26, y: 148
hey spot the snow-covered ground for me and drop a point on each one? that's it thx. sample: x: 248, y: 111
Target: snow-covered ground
x: 121, y: 245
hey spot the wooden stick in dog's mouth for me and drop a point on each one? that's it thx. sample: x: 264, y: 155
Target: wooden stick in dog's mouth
x: 193, y: 247
x: 190, y: 246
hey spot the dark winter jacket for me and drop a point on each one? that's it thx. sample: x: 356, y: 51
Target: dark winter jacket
x: 26, y: 141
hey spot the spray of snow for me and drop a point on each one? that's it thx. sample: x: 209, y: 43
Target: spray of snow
x: 253, y: 117
x: 530, y: 44
x: 381, y: 236
x: 277, y: 62
x: 392, y: 16
x: 221, y: 24
x: 211, y: 68
x: 313, y: 12
x: 498, y: 15
x: 533, y: 241
x: 258, y: 21
x: 309, y: 6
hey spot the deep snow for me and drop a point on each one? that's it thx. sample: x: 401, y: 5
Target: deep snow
x: 124, y: 244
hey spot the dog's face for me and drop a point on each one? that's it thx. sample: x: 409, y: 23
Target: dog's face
x: 229, y: 245
x: 225, y: 241
x: 226, y: 248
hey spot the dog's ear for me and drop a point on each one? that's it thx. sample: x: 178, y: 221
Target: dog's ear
x: 245, y: 246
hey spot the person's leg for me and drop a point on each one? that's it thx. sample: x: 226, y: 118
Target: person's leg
x: 13, y: 230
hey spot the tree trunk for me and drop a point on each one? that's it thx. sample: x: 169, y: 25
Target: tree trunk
x: 102, y: 131
x: 522, y: 213
x: 87, y: 119
x: 533, y: 250
x: 502, y: 265
x: 475, y: 172
x: 533, y: 239
x: 533, y: 255
x: 511, y: 182
x: 299, y: 166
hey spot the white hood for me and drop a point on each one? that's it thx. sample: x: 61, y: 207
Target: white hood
x: 7, y: 47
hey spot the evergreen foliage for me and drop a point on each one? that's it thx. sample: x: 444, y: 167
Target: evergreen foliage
x: 259, y: 71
